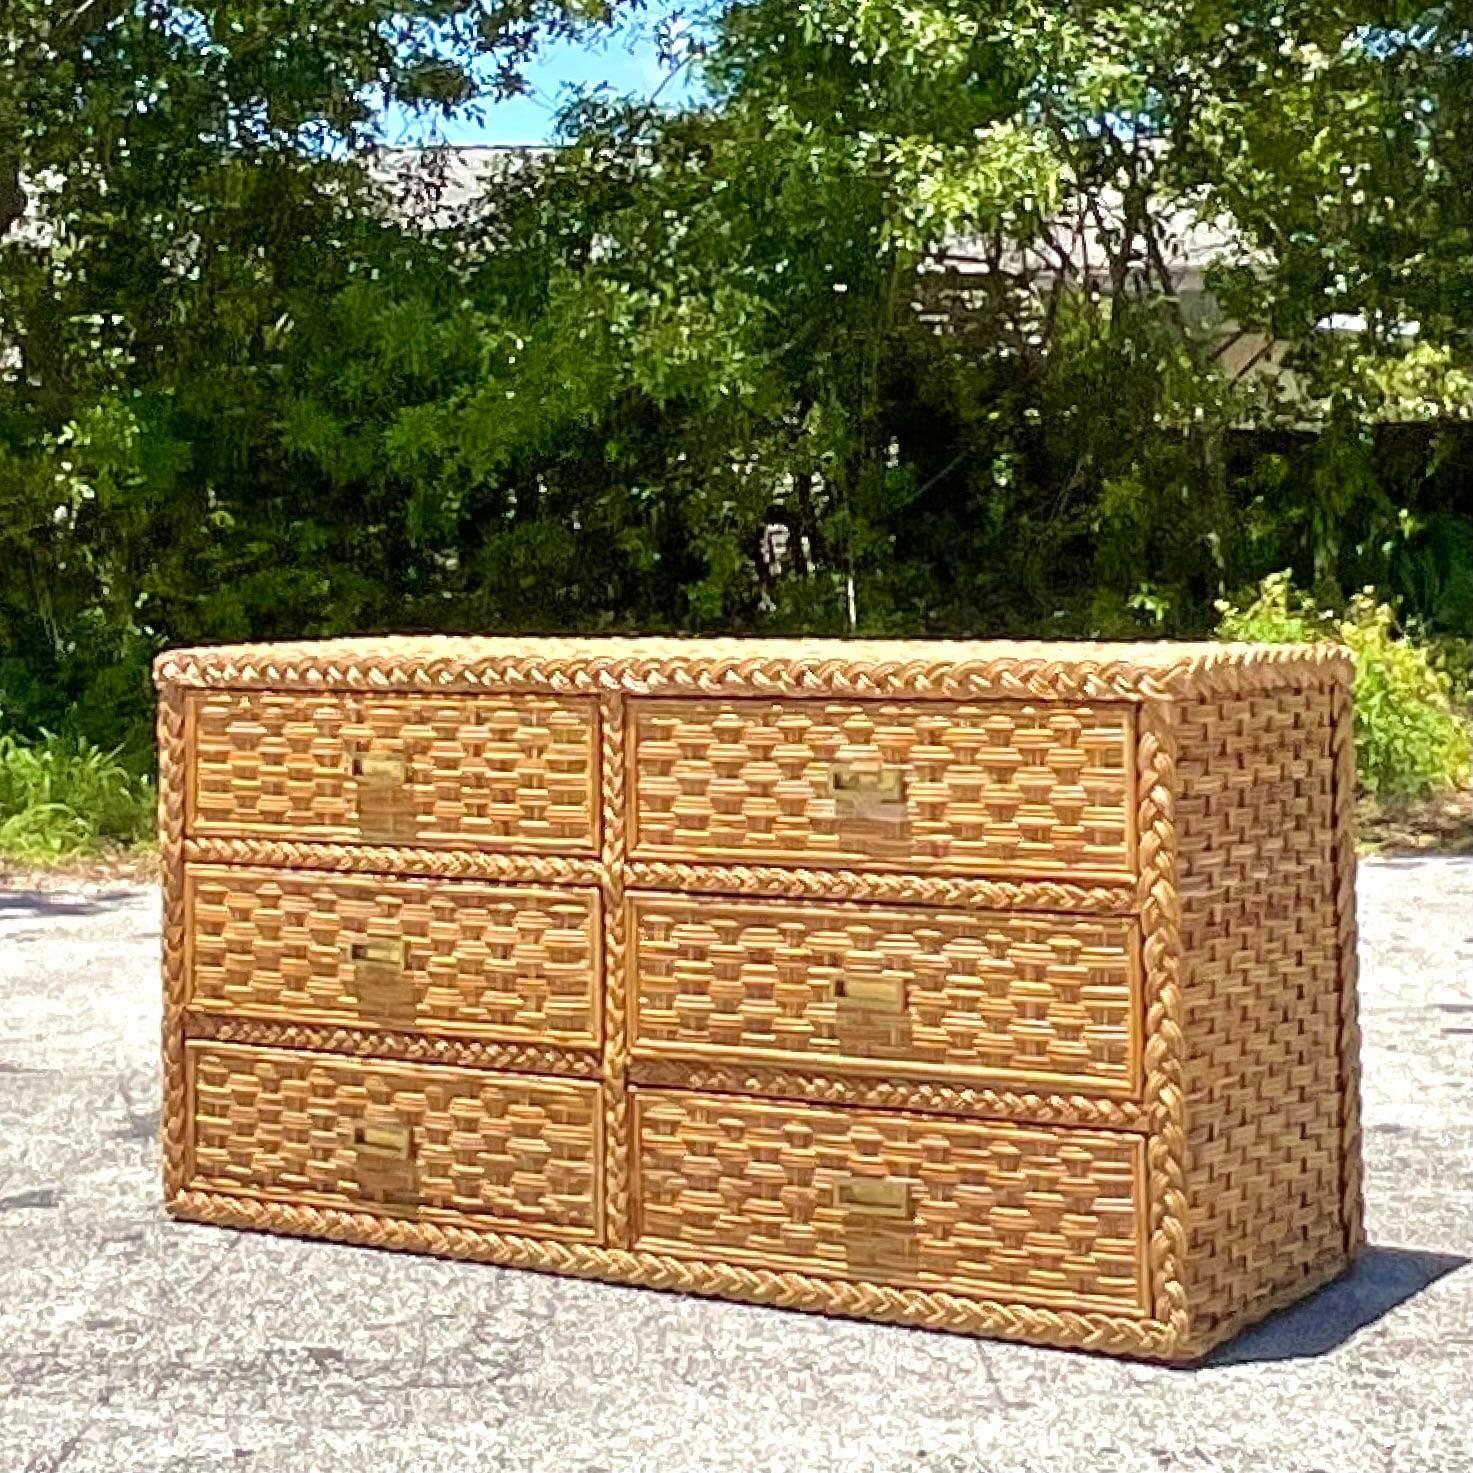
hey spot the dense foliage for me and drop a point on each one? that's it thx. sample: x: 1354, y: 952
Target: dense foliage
x: 697, y: 369
x: 1411, y: 736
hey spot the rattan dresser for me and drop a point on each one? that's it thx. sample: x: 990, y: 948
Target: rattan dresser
x: 999, y: 988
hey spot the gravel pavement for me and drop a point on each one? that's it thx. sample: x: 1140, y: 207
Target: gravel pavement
x: 133, y: 1344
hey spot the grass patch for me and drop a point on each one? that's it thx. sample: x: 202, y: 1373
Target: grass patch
x: 62, y: 798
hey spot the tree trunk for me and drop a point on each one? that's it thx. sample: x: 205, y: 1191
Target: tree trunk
x: 13, y: 198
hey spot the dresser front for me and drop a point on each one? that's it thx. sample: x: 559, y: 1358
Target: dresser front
x: 855, y: 988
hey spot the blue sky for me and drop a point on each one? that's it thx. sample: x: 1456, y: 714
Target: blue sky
x: 627, y: 62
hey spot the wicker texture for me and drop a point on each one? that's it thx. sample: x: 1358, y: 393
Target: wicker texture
x: 1034, y: 1215
x: 477, y: 771
x: 1007, y: 989
x: 381, y: 1043
x: 872, y: 668
x: 1111, y: 1332
x: 522, y: 1154
x: 1261, y: 962
x: 616, y: 1050
x: 889, y: 1092
x: 996, y: 787
x: 873, y: 885
x: 945, y: 994
x: 1352, y: 1196
x: 1165, y: 1094
x: 395, y: 859
x: 173, y: 787
x: 455, y: 958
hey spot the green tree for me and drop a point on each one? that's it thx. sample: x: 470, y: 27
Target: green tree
x: 1060, y: 457
x: 183, y: 192
x: 699, y: 367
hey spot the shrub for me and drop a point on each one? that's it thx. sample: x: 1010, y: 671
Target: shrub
x: 1412, y: 741
x: 1454, y: 658
x: 61, y: 797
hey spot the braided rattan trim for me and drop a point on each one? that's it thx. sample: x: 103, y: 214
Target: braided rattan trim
x: 890, y: 1094
x: 755, y: 667
x: 1086, y: 1330
x: 1352, y: 1197
x: 1165, y: 1094
x: 617, y: 1122
x: 173, y: 782
x: 414, y: 1048
x: 459, y: 864
x: 775, y: 880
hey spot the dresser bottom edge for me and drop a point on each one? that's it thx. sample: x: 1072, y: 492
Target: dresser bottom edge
x: 1129, y: 1335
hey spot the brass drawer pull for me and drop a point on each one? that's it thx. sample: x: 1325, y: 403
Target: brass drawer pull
x: 867, y: 793
x: 886, y: 785
x: 379, y: 983
x: 872, y: 994
x: 385, y: 805
x: 379, y: 956
x: 380, y: 769
x: 383, y: 1141
x: 871, y: 1196
x: 871, y: 1015
x: 383, y: 1162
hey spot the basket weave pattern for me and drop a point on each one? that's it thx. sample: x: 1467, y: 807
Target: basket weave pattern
x: 488, y: 961
x: 1006, y: 989
x: 967, y: 995
x: 474, y: 771
x: 996, y: 788
x: 992, y: 1210
x: 1262, y: 989
x: 514, y: 1151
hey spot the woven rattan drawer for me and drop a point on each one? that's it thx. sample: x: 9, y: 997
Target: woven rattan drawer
x: 991, y: 787
x: 448, y: 957
x: 491, y: 772
x: 1048, y: 1001
x: 999, y: 1211
x: 442, y: 1145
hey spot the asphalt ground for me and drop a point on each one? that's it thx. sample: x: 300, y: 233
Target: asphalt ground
x: 134, y: 1344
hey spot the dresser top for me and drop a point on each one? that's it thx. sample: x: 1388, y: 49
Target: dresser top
x: 754, y: 667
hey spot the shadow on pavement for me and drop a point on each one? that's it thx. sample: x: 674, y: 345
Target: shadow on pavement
x: 1382, y: 1279
x: 42, y: 903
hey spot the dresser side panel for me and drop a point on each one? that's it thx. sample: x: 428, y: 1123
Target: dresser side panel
x: 1260, y: 867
